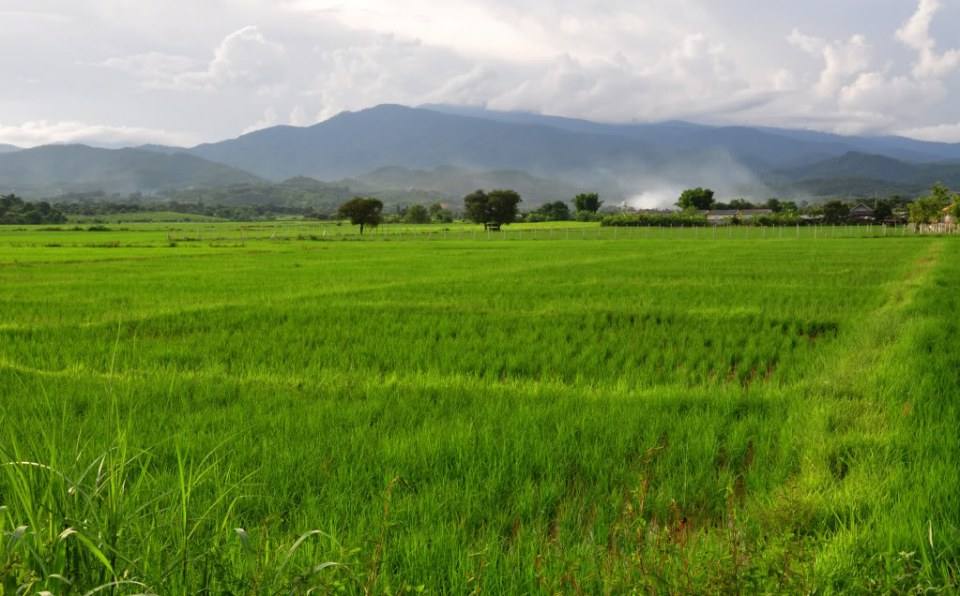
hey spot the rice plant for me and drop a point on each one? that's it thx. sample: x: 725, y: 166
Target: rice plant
x: 560, y: 413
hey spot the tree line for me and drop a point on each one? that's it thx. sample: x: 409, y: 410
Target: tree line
x: 14, y: 210
x: 499, y: 207
x: 928, y: 209
x: 492, y: 209
x: 94, y: 208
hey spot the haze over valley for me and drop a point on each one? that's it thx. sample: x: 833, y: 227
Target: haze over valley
x: 443, y: 151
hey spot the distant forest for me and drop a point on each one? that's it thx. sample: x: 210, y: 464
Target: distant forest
x: 14, y: 210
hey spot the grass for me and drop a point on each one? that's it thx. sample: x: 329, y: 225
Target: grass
x: 144, y: 217
x: 268, y: 408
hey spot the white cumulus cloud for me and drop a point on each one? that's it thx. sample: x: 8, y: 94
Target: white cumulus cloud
x: 42, y: 132
x: 916, y: 34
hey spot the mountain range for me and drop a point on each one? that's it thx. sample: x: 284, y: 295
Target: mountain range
x: 437, y: 151
x: 56, y: 169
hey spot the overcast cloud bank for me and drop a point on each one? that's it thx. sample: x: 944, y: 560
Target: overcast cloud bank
x: 180, y: 72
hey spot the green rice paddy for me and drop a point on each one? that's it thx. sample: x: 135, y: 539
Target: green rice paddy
x: 275, y: 408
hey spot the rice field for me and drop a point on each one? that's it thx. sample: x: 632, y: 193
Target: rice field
x: 280, y: 407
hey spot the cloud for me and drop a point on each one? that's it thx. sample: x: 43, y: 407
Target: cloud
x: 41, y: 132
x: 941, y: 133
x: 270, y: 118
x: 916, y: 34
x: 221, y: 67
x: 245, y: 58
x: 693, y: 80
x: 471, y: 28
x: 876, y: 92
x: 155, y: 69
x: 842, y: 60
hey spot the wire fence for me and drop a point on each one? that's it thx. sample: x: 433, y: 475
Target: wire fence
x: 679, y: 233
x: 227, y: 235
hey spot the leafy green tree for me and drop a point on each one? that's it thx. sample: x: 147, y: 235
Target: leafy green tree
x: 929, y: 209
x: 496, y: 207
x: 555, y: 211
x: 439, y: 214
x: 416, y: 214
x: 882, y: 209
x: 587, y: 201
x: 362, y: 212
x: 503, y: 206
x: 696, y: 198
x: 475, y: 206
x: 741, y: 204
x: 14, y: 210
x: 835, y: 212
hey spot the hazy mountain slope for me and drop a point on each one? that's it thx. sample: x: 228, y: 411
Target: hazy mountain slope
x: 774, y: 146
x: 165, y: 149
x: 865, y: 174
x: 353, y: 143
x: 440, y: 151
x: 453, y: 183
x: 889, y: 146
x: 297, y: 192
x: 8, y: 148
x: 56, y: 169
x: 621, y: 160
x: 761, y: 148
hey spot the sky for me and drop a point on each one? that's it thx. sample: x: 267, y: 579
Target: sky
x: 182, y: 72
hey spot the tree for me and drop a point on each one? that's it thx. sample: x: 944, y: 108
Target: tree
x: 882, y: 209
x: 929, y: 209
x: 495, y: 207
x: 741, y: 204
x: 416, y: 214
x: 14, y: 210
x: 362, y: 212
x: 503, y: 206
x: 587, y: 201
x: 475, y: 206
x: 835, y: 212
x: 696, y: 198
x: 439, y: 214
x: 555, y: 211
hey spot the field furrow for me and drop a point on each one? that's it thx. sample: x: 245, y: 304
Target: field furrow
x: 612, y: 415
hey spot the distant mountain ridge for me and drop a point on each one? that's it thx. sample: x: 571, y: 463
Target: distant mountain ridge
x: 740, y: 139
x: 55, y: 169
x: 449, y: 181
x: 353, y: 143
x: 619, y: 160
x: 435, y: 150
x: 868, y: 174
